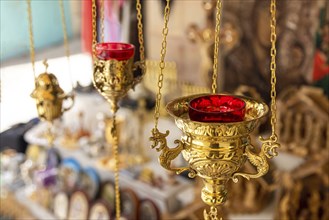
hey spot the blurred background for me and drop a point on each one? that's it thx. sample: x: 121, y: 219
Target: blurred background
x: 296, y: 188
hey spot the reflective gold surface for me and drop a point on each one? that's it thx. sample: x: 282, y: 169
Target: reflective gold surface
x: 214, y: 151
x: 49, y: 97
x: 113, y: 78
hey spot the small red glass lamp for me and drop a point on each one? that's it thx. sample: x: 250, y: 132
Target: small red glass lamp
x: 217, y: 108
x: 114, y: 51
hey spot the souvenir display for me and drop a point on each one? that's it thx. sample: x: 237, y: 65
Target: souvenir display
x: 90, y: 182
x: 247, y: 63
x: 42, y: 196
x: 113, y: 76
x: 250, y: 196
x: 130, y: 204
x: 71, y: 138
x: 148, y: 210
x: 303, y: 120
x: 225, y: 126
x: 37, y: 154
x: 61, y: 205
x: 108, y: 194
x: 46, y: 177
x: 216, y: 127
x: 69, y: 172
x: 99, y: 211
x: 78, y: 206
x: 10, y: 208
x: 53, y: 157
x: 204, y: 38
x: 304, y: 192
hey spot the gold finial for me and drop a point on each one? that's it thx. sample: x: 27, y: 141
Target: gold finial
x: 46, y: 64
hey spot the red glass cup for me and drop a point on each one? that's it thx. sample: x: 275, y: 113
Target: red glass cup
x: 114, y: 51
x: 217, y: 108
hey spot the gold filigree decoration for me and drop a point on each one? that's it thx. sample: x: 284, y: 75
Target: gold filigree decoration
x: 268, y: 150
x: 212, y: 214
x: 167, y: 154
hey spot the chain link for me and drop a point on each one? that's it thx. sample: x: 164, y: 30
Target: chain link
x: 140, y: 32
x: 163, y: 51
x: 217, y: 41
x: 102, y: 20
x: 32, y: 52
x: 273, y: 68
x: 94, y: 27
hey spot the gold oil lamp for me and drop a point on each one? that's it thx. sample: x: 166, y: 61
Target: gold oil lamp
x: 114, y: 65
x: 48, y: 94
x: 216, y: 130
x: 114, y: 76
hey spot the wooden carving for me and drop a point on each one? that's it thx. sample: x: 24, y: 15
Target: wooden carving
x: 249, y: 196
x: 304, y: 192
x: 303, y: 120
x: 248, y: 62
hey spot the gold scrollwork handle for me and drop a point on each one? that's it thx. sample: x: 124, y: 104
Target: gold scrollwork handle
x: 168, y: 154
x: 71, y: 97
x: 259, y: 161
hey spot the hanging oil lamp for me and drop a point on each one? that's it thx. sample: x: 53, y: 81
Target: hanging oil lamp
x: 114, y: 63
x: 113, y: 77
x: 48, y: 94
x: 216, y: 130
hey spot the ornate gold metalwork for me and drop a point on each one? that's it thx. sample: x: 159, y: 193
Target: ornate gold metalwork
x: 214, y: 151
x: 212, y: 214
x: 167, y: 154
x: 113, y: 79
x: 49, y: 96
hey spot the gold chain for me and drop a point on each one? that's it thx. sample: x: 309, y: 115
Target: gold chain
x: 273, y: 69
x: 162, y: 63
x: 32, y: 52
x: 116, y: 167
x: 140, y: 32
x: 114, y: 127
x: 65, y: 38
x: 94, y: 27
x: 217, y: 40
x: 102, y: 20
x: 66, y: 44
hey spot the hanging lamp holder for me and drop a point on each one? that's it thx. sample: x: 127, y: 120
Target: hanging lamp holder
x: 214, y: 151
x: 114, y: 68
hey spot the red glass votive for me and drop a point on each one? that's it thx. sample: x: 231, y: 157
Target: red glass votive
x: 217, y: 108
x: 114, y: 51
